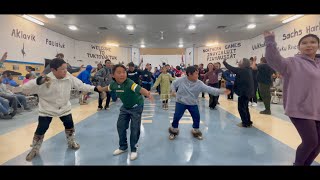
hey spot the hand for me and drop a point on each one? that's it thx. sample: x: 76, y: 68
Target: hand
x: 47, y: 81
x: 150, y: 97
x: 232, y: 82
x: 227, y: 92
x: 100, y: 89
x: 82, y: 66
x: 268, y: 33
x: 173, y: 94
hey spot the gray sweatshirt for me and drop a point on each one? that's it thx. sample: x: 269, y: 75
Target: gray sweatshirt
x: 188, y: 91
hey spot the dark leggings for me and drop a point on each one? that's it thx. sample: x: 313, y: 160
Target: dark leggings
x: 44, y: 122
x: 165, y: 101
x: 308, y: 150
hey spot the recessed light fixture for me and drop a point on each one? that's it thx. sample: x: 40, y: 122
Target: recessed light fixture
x: 180, y: 45
x: 251, y: 26
x: 192, y: 27
x: 73, y: 27
x: 50, y: 16
x: 121, y: 16
x: 292, y: 18
x: 130, y: 27
x: 199, y: 15
x: 32, y: 19
x: 142, y: 46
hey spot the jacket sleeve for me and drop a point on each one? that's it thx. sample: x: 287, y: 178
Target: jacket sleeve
x: 273, y: 57
x: 31, y: 87
x: 79, y: 85
x: 231, y: 68
x: 211, y: 90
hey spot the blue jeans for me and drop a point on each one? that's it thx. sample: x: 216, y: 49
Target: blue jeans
x: 4, y: 105
x: 133, y: 114
x: 179, y: 111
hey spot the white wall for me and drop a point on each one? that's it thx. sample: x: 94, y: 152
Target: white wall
x: 40, y: 42
x: 189, y: 56
x: 135, y: 55
x: 92, y: 53
x: 287, y: 37
x: 156, y: 60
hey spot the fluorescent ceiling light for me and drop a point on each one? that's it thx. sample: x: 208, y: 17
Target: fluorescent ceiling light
x: 121, y: 16
x: 130, y: 27
x: 33, y: 19
x: 199, y: 15
x: 72, y: 27
x: 273, y: 14
x: 251, y: 26
x: 180, y: 45
x: 292, y: 18
x: 142, y: 46
x: 50, y: 16
x: 191, y: 27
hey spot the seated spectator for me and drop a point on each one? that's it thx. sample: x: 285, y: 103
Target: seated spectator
x: 27, y: 79
x: 12, y: 82
x: 14, y: 99
x: 5, y: 109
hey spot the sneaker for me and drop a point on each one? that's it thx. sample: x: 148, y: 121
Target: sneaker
x: 6, y: 116
x: 254, y: 104
x: 268, y: 112
x: 118, y: 151
x: 241, y: 125
x: 13, y: 113
x: 99, y: 109
x: 133, y: 156
x: 249, y: 104
x: 106, y: 107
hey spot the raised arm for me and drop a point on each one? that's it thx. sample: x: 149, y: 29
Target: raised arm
x: 231, y: 68
x: 272, y: 55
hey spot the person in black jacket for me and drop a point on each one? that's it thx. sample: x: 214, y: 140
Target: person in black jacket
x: 243, y: 87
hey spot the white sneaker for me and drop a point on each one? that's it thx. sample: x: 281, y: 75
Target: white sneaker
x: 254, y: 104
x: 133, y: 156
x: 118, y: 151
x: 249, y: 103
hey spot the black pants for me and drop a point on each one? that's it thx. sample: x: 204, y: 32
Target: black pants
x: 44, y: 122
x: 230, y: 87
x: 255, y: 86
x: 219, y: 88
x: 213, y: 100
x: 146, y: 86
x: 244, y: 110
x: 107, y: 100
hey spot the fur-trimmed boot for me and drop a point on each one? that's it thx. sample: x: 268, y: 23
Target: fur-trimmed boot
x: 173, y: 133
x: 70, y: 134
x: 36, y: 145
x: 82, y: 98
x: 197, y: 133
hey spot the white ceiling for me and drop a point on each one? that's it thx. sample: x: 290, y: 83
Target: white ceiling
x: 148, y: 27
